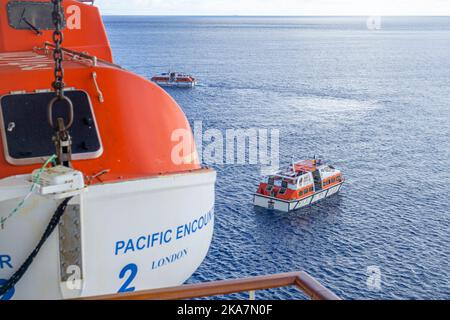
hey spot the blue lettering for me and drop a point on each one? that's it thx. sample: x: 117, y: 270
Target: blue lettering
x: 155, y: 237
x: 133, y: 270
x: 5, y: 261
x: 119, y: 246
x: 179, y: 232
x: 208, y: 218
x: 187, y: 230
x: 140, y: 246
x: 151, y: 240
x: 201, y: 223
x: 9, y: 294
x: 168, y: 236
x: 130, y: 246
x: 168, y: 260
x: 194, y: 226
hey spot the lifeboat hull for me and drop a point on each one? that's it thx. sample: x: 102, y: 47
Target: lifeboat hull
x: 273, y: 203
x: 168, y: 84
x: 134, y: 235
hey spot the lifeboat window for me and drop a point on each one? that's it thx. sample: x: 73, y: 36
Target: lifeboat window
x: 284, y: 184
x: 27, y: 135
x: 333, y: 180
x: 269, y: 188
x: 300, y: 193
x: 311, y: 189
x: 24, y: 14
x: 283, y: 191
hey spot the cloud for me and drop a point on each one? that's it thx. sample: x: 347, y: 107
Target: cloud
x: 275, y: 7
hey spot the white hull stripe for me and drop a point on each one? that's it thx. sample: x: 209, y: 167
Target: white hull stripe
x: 297, y: 204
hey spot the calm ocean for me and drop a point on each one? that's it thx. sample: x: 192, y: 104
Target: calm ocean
x: 375, y: 103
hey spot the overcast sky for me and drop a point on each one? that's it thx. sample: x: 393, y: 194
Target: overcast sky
x: 275, y: 7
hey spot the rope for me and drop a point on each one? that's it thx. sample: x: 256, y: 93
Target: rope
x: 22, y: 203
x: 25, y: 266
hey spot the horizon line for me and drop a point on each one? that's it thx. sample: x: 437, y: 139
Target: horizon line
x: 273, y: 16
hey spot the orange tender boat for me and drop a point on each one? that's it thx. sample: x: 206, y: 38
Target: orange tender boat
x: 146, y: 214
x: 300, y: 185
x: 174, y: 79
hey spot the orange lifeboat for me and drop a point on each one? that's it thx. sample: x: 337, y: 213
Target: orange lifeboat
x: 143, y: 215
x: 300, y: 185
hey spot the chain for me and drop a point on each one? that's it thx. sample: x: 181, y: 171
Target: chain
x: 62, y: 139
x: 58, y: 54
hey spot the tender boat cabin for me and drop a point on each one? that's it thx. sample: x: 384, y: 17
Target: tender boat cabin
x: 302, y: 180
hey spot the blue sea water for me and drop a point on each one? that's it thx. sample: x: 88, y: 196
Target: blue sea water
x: 375, y: 103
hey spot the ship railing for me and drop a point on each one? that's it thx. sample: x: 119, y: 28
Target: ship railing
x: 300, y: 280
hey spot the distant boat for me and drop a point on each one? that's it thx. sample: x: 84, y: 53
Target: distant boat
x: 174, y: 79
x: 298, y: 186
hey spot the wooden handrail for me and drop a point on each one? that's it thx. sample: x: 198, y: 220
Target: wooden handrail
x: 301, y: 280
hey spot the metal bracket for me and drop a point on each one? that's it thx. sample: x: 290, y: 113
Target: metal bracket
x: 70, y: 241
x: 70, y: 252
